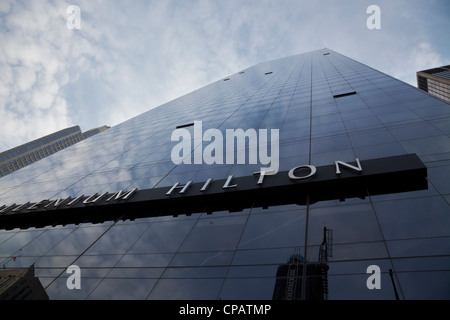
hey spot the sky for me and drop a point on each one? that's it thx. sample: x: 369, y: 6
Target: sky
x: 122, y: 58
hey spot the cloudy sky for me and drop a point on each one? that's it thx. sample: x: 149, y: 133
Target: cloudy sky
x: 131, y: 56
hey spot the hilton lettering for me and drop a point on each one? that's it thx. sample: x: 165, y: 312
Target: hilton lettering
x: 293, y: 175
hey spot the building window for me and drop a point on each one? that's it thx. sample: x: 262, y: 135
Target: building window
x: 185, y: 125
x: 344, y: 94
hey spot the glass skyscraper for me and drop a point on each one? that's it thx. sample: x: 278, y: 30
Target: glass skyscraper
x: 220, y: 230
x: 13, y: 159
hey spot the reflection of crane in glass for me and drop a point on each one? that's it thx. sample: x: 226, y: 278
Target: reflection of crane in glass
x: 289, y: 284
x: 325, y: 251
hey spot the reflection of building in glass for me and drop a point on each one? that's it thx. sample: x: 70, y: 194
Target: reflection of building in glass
x: 289, y: 279
x: 23, y: 155
x: 21, y: 284
x: 94, y: 131
x: 327, y: 108
x: 435, y: 81
x: 289, y: 283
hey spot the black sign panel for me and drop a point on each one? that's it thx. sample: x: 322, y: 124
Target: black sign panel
x: 301, y: 185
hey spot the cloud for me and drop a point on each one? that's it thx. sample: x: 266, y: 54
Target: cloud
x: 130, y: 56
x: 40, y: 60
x: 31, y: 103
x: 423, y: 57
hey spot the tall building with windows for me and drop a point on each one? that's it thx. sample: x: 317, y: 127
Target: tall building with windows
x: 23, y: 155
x: 435, y: 81
x: 363, y: 161
x: 21, y: 284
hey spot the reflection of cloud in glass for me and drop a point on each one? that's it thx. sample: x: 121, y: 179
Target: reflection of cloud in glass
x: 57, y: 290
x: 163, y: 237
x: 192, y: 289
x: 277, y: 230
x: 45, y: 242
x: 215, y: 258
x: 97, y: 261
x: 17, y: 242
x: 152, y: 260
x: 118, y: 239
x: 123, y: 289
x: 221, y: 234
x: 78, y: 241
x: 350, y: 223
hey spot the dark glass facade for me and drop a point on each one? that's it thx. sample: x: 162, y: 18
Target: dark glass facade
x: 327, y: 107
